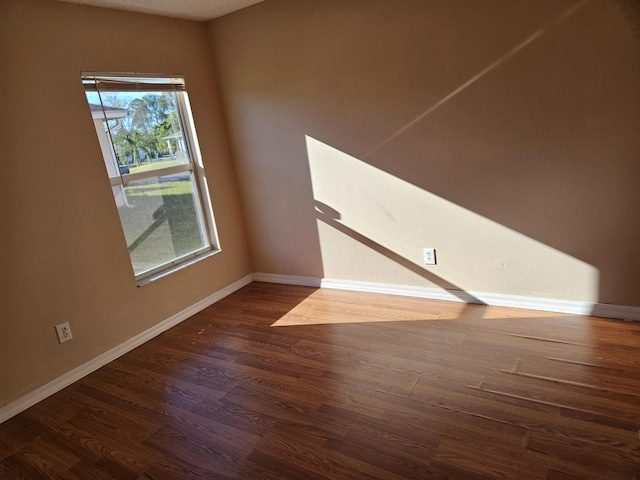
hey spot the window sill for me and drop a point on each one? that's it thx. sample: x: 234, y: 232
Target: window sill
x: 156, y: 276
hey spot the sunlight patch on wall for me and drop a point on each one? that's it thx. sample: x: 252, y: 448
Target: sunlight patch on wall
x: 373, y: 226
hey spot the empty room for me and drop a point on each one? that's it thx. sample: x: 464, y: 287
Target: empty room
x: 320, y: 239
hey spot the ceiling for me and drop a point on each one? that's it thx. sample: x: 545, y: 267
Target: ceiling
x: 200, y: 10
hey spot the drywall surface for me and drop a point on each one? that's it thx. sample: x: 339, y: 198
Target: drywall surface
x: 64, y: 257
x: 503, y: 134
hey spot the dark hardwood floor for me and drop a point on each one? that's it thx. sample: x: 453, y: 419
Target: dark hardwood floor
x: 284, y: 382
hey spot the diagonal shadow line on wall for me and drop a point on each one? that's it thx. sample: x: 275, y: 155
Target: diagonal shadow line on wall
x: 488, y: 69
x: 331, y: 217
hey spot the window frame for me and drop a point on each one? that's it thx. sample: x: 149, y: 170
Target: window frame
x: 113, y: 82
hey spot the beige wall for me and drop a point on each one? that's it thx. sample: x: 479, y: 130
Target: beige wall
x: 504, y: 134
x: 63, y: 254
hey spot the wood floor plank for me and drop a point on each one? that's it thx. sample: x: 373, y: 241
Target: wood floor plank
x: 487, y: 463
x: 595, y: 457
x: 288, y: 382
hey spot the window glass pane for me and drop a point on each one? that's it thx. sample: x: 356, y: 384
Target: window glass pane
x: 161, y: 218
x: 144, y: 128
x: 148, y: 145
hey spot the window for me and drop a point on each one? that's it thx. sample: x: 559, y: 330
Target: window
x: 150, y: 150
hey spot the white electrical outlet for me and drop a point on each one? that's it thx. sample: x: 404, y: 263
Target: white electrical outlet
x: 429, y: 256
x: 64, y: 332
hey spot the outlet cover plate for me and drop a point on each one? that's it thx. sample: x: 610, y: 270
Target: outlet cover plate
x: 429, y: 256
x: 64, y: 332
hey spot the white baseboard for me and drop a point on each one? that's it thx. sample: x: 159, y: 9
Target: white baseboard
x: 288, y: 279
x: 77, y: 373
x: 622, y: 312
